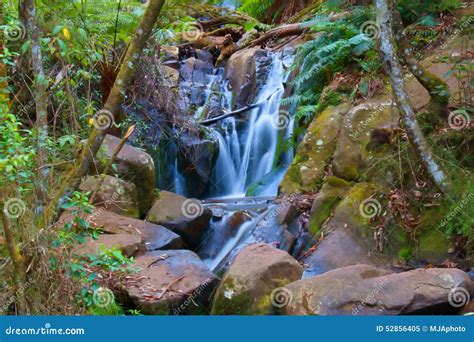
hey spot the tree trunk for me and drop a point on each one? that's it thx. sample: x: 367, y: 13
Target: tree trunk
x: 436, y: 87
x: 27, y: 7
x: 112, y: 106
x: 18, y: 274
x: 422, y: 150
x: 4, y: 98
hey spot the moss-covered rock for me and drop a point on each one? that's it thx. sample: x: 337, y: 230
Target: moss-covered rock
x: 115, y: 194
x: 350, y: 157
x: 251, y: 285
x: 315, y: 152
x: 330, y: 195
x: 348, y: 236
x: 132, y: 165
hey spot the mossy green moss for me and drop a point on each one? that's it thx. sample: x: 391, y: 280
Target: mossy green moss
x: 315, y: 152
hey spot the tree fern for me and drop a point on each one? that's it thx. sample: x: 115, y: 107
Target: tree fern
x: 340, y: 43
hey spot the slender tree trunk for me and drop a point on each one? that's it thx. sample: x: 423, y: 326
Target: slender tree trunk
x: 18, y: 274
x: 436, y: 87
x: 422, y: 150
x: 112, y: 106
x: 3, y: 68
x: 28, y: 9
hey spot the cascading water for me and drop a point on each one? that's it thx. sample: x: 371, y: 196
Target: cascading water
x: 250, y: 162
x: 248, y: 154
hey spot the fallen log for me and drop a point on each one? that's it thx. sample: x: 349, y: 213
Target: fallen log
x: 226, y: 115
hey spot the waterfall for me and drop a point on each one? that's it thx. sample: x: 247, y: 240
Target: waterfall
x: 248, y: 154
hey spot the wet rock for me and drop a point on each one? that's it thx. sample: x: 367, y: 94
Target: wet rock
x: 367, y: 290
x: 248, y: 286
x: 286, y: 213
x: 132, y: 165
x: 276, y: 235
x: 221, y: 230
x: 154, y: 236
x: 314, y: 152
x: 169, y: 282
x: 186, y: 217
x: 304, y: 242
x: 246, y: 71
x: 115, y: 194
x: 197, y: 159
x: 129, y: 244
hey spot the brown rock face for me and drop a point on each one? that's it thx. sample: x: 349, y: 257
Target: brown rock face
x: 170, y: 282
x: 129, y: 244
x: 186, y: 217
x: 114, y: 195
x: 133, y: 165
x: 154, y: 236
x: 251, y: 284
x: 241, y: 70
x: 367, y: 290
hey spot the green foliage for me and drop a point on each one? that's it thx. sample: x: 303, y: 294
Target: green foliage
x: 256, y: 8
x: 424, y: 10
x: 340, y: 43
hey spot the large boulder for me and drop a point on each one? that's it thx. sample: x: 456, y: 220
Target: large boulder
x: 348, y: 238
x: 332, y: 192
x: 154, y: 236
x: 315, y: 152
x: 186, y: 217
x: 352, y: 155
x: 114, y: 195
x: 251, y: 284
x: 367, y: 290
x: 129, y: 244
x: 246, y: 71
x: 132, y: 164
x: 169, y: 282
